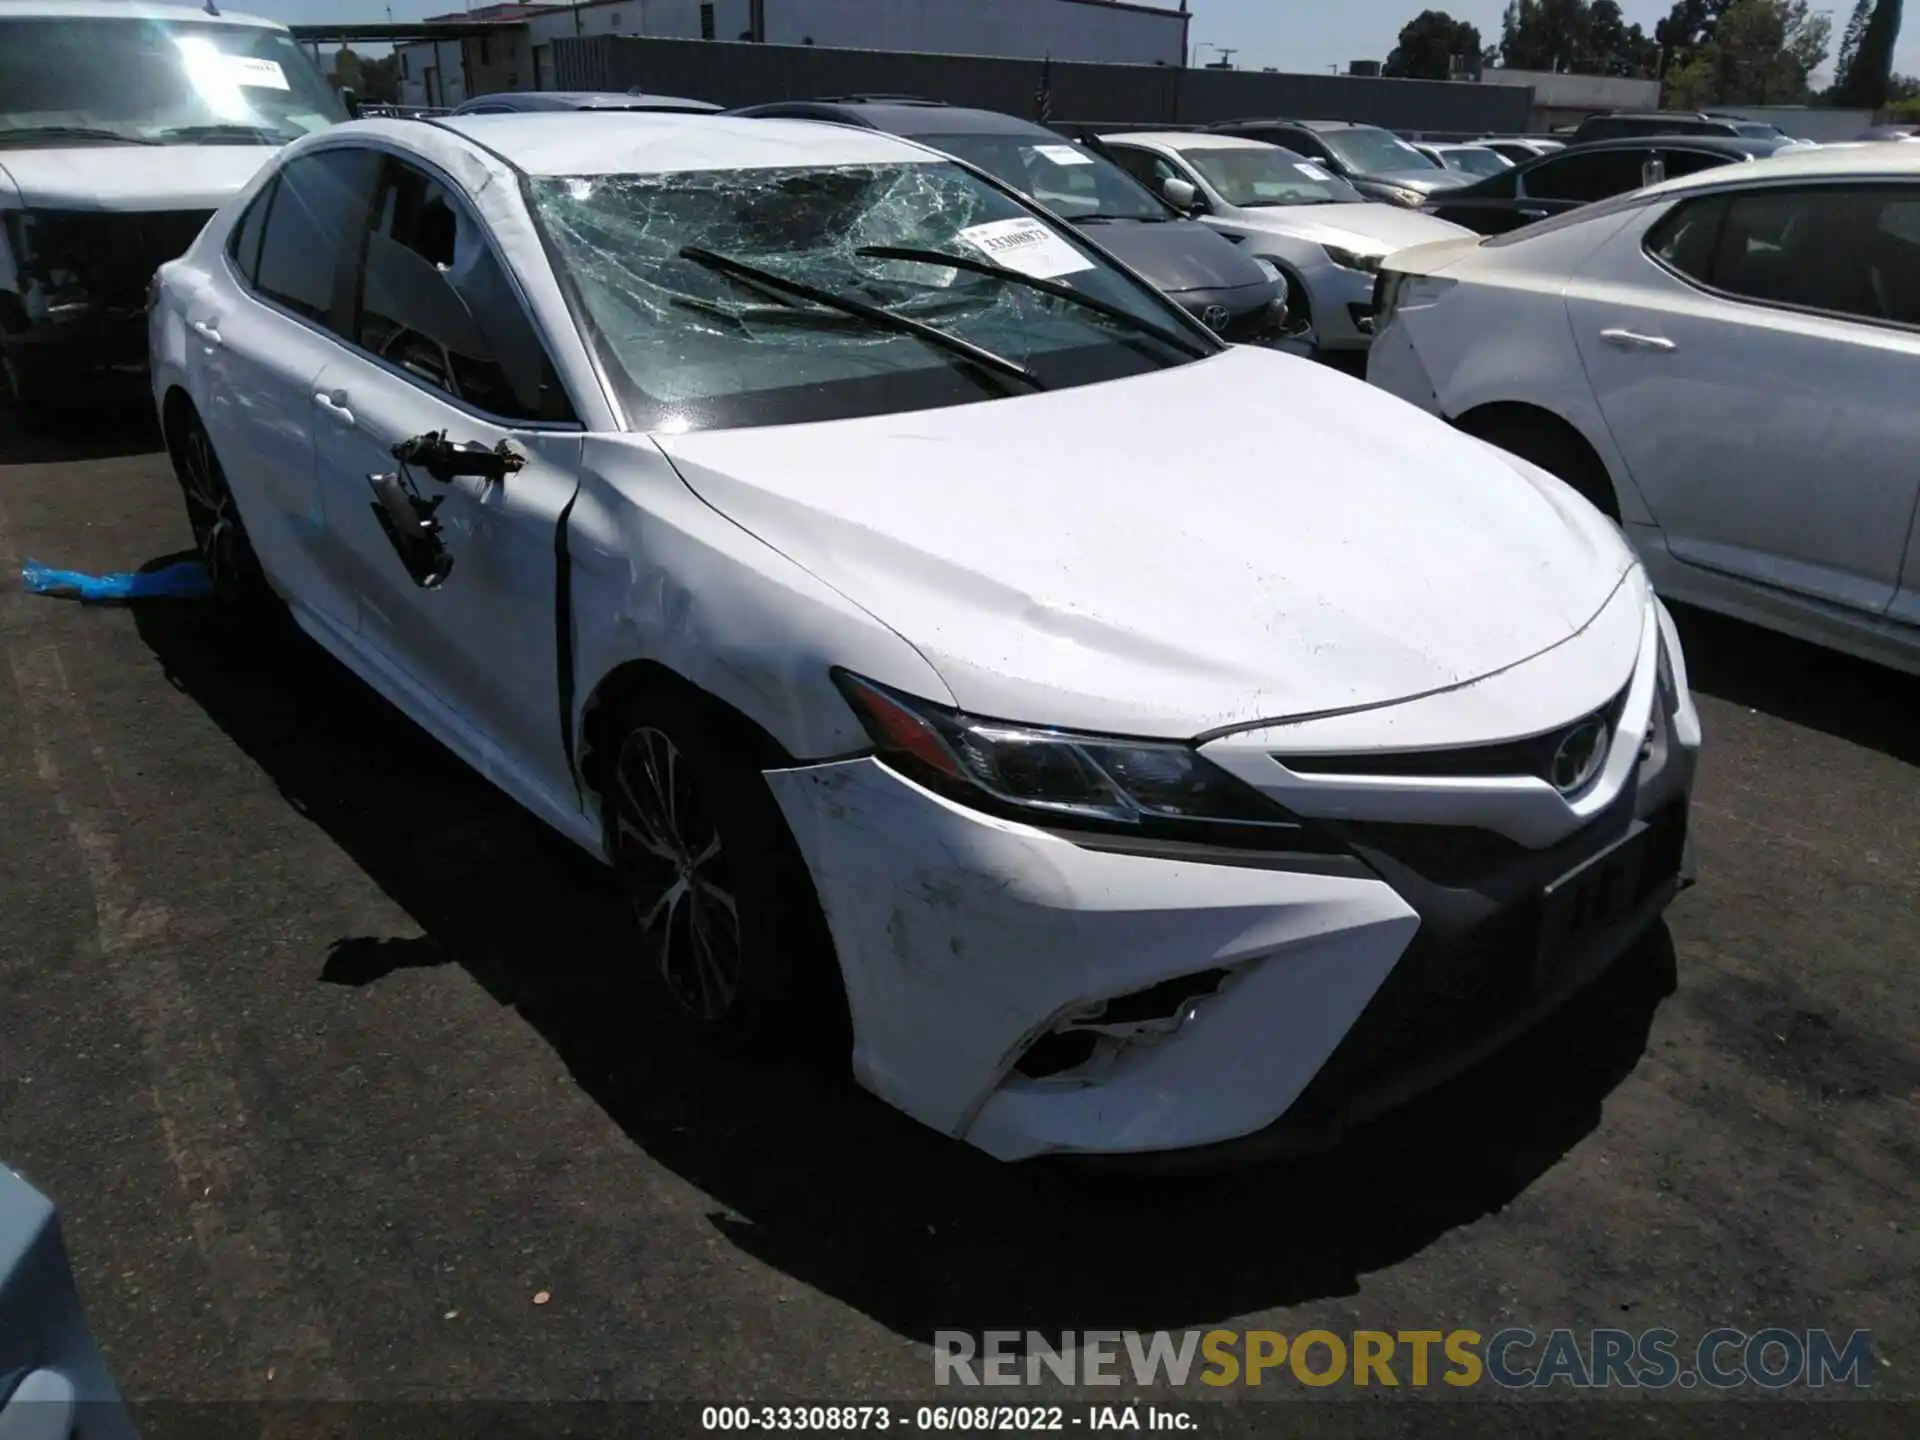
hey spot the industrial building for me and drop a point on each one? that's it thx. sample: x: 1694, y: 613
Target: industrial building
x: 516, y: 50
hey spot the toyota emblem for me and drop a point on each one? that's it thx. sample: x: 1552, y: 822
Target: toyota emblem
x: 1582, y: 751
x: 1215, y: 318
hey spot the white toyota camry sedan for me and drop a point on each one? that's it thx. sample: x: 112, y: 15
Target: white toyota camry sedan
x: 1727, y: 363
x: 877, y: 575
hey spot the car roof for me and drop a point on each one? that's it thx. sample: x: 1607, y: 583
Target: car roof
x: 1894, y: 159
x: 1323, y: 125
x: 901, y: 116
x: 585, y: 100
x: 1189, y: 140
x: 622, y: 142
x: 124, y: 10
x: 1718, y: 144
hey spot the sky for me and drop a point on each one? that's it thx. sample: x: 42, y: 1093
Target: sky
x: 1298, y: 35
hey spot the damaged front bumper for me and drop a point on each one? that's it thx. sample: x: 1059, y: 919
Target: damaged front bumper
x: 966, y: 941
x: 1036, y: 992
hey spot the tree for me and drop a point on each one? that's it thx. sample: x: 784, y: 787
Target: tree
x: 1429, y: 44
x: 1760, y: 53
x: 1850, y: 40
x: 1544, y: 34
x: 1686, y: 30
x: 1615, y: 47
x: 1863, y: 76
x: 1587, y: 37
x: 374, y: 80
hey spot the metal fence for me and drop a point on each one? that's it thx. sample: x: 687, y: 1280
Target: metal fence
x: 731, y: 73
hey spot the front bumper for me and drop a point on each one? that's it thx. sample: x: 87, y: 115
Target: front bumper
x: 1218, y: 996
x: 65, y: 360
x: 1342, y: 307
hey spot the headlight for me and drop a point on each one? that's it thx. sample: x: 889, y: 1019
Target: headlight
x: 1353, y: 259
x: 1055, y: 774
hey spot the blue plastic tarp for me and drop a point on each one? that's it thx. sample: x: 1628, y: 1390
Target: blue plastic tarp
x: 187, y: 580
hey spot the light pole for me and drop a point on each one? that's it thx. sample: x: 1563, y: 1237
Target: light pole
x: 1224, y: 52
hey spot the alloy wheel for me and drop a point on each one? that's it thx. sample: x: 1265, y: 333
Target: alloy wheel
x: 211, y: 513
x: 674, y: 864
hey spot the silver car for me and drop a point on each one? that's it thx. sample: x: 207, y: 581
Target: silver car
x: 1325, y: 237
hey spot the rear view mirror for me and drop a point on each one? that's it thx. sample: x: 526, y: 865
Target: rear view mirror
x: 352, y: 103
x: 1182, y: 195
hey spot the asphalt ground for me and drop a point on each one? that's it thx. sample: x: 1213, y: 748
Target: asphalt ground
x: 333, y: 1061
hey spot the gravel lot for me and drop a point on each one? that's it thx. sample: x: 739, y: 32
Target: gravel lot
x: 326, y: 1052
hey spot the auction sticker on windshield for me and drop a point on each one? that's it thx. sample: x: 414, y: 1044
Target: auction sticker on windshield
x: 1063, y: 154
x: 246, y: 70
x: 1027, y: 246
x: 1312, y: 172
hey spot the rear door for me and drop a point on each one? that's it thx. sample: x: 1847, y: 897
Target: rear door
x: 442, y: 341
x: 1756, y: 355
x: 261, y: 340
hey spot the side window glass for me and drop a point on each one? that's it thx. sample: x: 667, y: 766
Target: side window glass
x: 1586, y: 178
x: 317, y: 203
x: 1824, y: 248
x: 1143, y: 166
x: 1684, y: 238
x: 435, y: 302
x: 1689, y: 162
x: 244, y: 244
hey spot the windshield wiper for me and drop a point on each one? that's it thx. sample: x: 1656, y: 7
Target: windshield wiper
x: 240, y: 134
x: 763, y: 280
x: 70, y: 132
x: 1100, y: 215
x: 1189, y: 344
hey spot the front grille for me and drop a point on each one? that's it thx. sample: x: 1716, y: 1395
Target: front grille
x: 1450, y: 994
x: 1257, y: 326
x: 112, y: 254
x: 1508, y: 758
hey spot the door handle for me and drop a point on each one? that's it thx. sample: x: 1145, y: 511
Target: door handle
x: 335, y: 403
x: 1631, y: 340
x: 207, y: 330
x: 1532, y: 212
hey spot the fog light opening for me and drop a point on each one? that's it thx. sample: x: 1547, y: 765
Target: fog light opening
x: 1085, y: 1042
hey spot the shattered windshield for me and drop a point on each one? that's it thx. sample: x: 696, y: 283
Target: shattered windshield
x: 694, y: 344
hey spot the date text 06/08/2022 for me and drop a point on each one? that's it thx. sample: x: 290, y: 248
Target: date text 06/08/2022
x: 1012, y: 1419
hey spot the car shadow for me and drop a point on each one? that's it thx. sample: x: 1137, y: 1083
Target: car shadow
x: 1794, y: 680
x: 806, y: 1172
x: 97, y: 432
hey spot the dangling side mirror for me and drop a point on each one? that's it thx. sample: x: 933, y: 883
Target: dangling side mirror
x: 352, y: 101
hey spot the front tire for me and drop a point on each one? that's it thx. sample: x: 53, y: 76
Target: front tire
x: 239, y: 584
x: 729, y: 925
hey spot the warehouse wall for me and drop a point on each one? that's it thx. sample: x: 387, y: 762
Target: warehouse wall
x: 1131, y: 95
x: 1064, y: 29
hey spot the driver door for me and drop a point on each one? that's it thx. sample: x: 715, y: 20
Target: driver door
x: 442, y: 342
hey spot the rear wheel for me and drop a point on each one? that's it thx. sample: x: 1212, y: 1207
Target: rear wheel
x: 239, y: 584
x: 729, y: 925
x: 1556, y: 450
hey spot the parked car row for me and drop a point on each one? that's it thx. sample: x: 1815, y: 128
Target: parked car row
x: 1724, y: 363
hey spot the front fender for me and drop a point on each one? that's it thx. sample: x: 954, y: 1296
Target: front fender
x: 659, y: 575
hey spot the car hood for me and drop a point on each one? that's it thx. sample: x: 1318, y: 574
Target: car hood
x: 1425, y: 181
x: 1177, y: 256
x: 1366, y: 229
x: 1248, y: 537
x: 132, y: 177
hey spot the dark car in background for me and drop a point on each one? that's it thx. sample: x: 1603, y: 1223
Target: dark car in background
x: 1628, y: 125
x: 1376, y: 162
x: 514, y: 101
x: 1241, y: 298
x: 1583, y: 174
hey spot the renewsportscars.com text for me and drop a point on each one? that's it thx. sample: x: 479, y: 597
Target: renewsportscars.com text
x: 1514, y: 1358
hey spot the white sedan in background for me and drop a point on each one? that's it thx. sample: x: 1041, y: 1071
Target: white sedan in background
x: 876, y: 576
x: 1727, y: 363
x: 1325, y: 236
